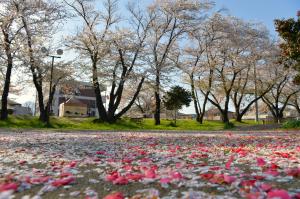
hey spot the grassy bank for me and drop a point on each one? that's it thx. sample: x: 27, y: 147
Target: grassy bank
x: 89, y: 124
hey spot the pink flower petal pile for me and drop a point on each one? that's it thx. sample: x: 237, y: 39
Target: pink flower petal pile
x: 117, y: 165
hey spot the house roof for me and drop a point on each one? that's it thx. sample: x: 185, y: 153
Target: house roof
x: 87, y: 92
x: 215, y: 111
x: 11, y: 102
x: 83, y: 88
x: 74, y: 102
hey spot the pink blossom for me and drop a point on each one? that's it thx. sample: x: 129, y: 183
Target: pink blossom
x: 261, y: 162
x: 229, y: 179
x: 278, y: 193
x: 8, y: 186
x: 63, y: 181
x: 116, y: 195
x: 228, y: 164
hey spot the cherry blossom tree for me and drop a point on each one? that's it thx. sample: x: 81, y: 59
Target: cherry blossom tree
x: 172, y: 19
x: 197, y: 62
x: 251, y: 84
x: 282, y: 92
x: 114, y: 54
x: 40, y: 22
x: 232, y: 51
x: 9, y: 39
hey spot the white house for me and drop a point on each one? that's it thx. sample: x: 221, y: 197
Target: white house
x: 82, y: 92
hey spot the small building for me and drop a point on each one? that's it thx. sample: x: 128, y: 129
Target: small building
x: 215, y: 114
x: 16, y: 108
x: 186, y: 116
x: 21, y: 110
x: 84, y: 95
x: 73, y: 108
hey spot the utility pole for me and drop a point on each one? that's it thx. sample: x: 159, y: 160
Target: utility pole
x: 256, y: 102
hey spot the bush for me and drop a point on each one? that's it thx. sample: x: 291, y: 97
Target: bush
x: 172, y: 124
x: 228, y: 125
x: 291, y: 124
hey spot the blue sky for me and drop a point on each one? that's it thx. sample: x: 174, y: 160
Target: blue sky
x: 264, y: 11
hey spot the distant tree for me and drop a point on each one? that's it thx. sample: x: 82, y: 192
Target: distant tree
x: 289, y: 31
x: 176, y: 98
x: 9, y: 44
x: 172, y: 19
x: 197, y: 62
x: 282, y: 92
x: 40, y: 22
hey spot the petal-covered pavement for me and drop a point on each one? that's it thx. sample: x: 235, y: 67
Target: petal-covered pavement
x: 116, y: 165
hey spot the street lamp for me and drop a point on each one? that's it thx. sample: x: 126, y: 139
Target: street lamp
x: 59, y: 52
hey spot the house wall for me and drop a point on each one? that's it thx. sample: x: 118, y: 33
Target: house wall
x: 70, y: 111
x: 19, y: 110
x: 56, y: 106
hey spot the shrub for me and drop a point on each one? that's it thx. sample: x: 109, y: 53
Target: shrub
x: 172, y: 124
x: 291, y: 124
x: 228, y: 125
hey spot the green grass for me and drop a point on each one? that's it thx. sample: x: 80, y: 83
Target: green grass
x: 18, y: 122
x: 291, y: 124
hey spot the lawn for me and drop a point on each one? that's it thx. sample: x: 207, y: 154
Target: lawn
x: 149, y: 165
x: 124, y: 124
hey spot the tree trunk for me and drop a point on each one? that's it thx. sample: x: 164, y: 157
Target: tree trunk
x: 175, y: 117
x: 36, y: 76
x: 278, y: 118
x: 201, y: 118
x: 43, y: 113
x: 157, y: 109
x: 157, y: 101
x: 202, y: 114
x: 239, y: 117
x: 99, y: 102
x: 4, y: 99
x: 225, y: 118
x: 195, y: 100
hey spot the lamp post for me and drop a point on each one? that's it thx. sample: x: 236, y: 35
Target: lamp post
x: 59, y: 52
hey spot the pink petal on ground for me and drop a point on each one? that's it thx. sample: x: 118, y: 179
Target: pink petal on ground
x: 100, y: 152
x: 116, y: 195
x: 293, y: 172
x: 134, y: 176
x: 63, y: 181
x: 261, y: 162
x: 120, y: 181
x: 165, y: 180
x: 228, y: 164
x: 8, y: 186
x: 278, y: 193
x: 255, y: 195
x: 266, y: 187
x: 65, y: 174
x: 272, y: 172
x: 229, y: 179
x: 297, y: 196
x: 21, y: 162
x: 112, y: 176
x: 39, y: 180
x: 150, y: 173
x: 176, y: 175
x: 72, y: 164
